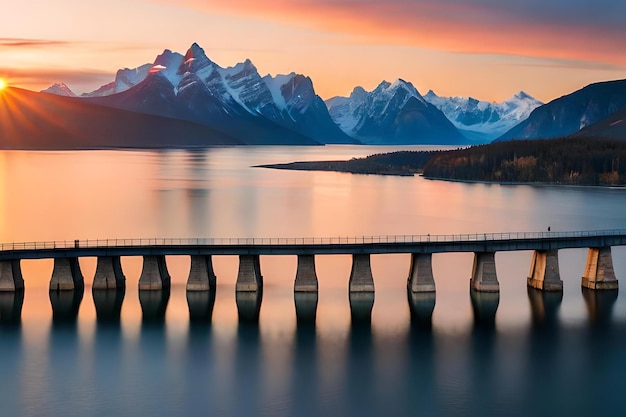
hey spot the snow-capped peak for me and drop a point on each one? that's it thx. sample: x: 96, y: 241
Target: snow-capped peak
x: 386, y: 90
x: 483, y: 120
x: 60, y: 89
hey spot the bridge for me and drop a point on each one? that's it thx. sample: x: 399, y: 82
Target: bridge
x: 544, y: 269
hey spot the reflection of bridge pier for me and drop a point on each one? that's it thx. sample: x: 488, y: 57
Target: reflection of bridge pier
x: 201, y: 305
x: 599, y: 305
x: 11, y: 307
x: 65, y: 305
x: 108, y: 304
x: 544, y: 307
x: 154, y: 305
x: 421, y: 307
x: 485, y: 306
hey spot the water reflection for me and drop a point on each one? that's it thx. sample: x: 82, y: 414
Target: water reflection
x: 249, y: 305
x: 65, y: 305
x: 544, y: 307
x: 600, y: 305
x: 108, y: 304
x: 484, y: 306
x: 11, y: 307
x: 361, y: 304
x: 421, y: 306
x: 248, y: 359
x: 201, y: 305
x: 306, y: 307
x: 154, y: 305
x: 360, y: 372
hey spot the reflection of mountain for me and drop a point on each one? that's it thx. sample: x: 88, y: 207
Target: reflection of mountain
x: 30, y: 120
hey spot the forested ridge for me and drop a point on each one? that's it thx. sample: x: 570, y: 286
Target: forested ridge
x: 554, y: 161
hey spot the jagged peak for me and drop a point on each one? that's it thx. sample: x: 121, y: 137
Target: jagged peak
x: 242, y: 67
x: 195, y: 59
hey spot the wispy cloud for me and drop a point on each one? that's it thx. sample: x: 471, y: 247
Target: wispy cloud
x: 31, y: 43
x: 567, y: 29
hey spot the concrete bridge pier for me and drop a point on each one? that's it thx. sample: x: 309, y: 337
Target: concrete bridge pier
x: 544, y: 271
x: 484, y: 278
x: 599, y: 273
x: 154, y: 274
x: 201, y: 274
x: 361, y: 279
x: 421, y: 273
x: 109, y: 274
x: 66, y: 275
x: 249, y: 277
x: 306, y: 277
x: 11, y: 275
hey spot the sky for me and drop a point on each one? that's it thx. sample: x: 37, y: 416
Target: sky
x: 487, y: 49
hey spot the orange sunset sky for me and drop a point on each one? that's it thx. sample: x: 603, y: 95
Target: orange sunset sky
x: 488, y: 49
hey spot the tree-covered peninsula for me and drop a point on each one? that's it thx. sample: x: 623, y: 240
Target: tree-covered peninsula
x: 567, y: 161
x: 570, y: 161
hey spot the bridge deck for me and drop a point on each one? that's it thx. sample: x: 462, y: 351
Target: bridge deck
x: 481, y: 242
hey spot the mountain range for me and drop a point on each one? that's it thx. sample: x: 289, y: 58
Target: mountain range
x: 392, y: 114
x: 247, y: 108
x: 483, y: 121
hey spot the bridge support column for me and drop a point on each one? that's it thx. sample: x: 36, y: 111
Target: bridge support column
x: 421, y: 273
x: 66, y: 275
x: 306, y: 278
x: 109, y: 274
x: 154, y: 274
x: 249, y: 277
x: 11, y: 275
x: 361, y: 279
x: 484, y: 278
x: 599, y: 273
x: 201, y: 274
x: 544, y: 271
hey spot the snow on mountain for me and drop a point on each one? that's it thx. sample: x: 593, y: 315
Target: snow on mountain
x: 483, y: 121
x: 393, y: 113
x: 193, y: 87
x: 60, y: 89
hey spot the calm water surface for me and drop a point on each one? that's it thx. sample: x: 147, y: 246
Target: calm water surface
x: 169, y: 354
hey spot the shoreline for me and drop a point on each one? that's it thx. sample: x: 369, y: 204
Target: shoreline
x: 534, y: 184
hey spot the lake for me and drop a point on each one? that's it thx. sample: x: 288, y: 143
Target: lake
x: 171, y: 354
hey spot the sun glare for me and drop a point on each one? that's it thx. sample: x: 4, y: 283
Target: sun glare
x: 3, y: 84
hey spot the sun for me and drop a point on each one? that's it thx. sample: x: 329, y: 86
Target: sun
x: 3, y: 84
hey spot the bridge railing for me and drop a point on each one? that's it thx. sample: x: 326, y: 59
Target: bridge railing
x: 337, y: 240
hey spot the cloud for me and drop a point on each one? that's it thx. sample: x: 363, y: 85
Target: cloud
x: 591, y: 30
x: 31, y: 43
